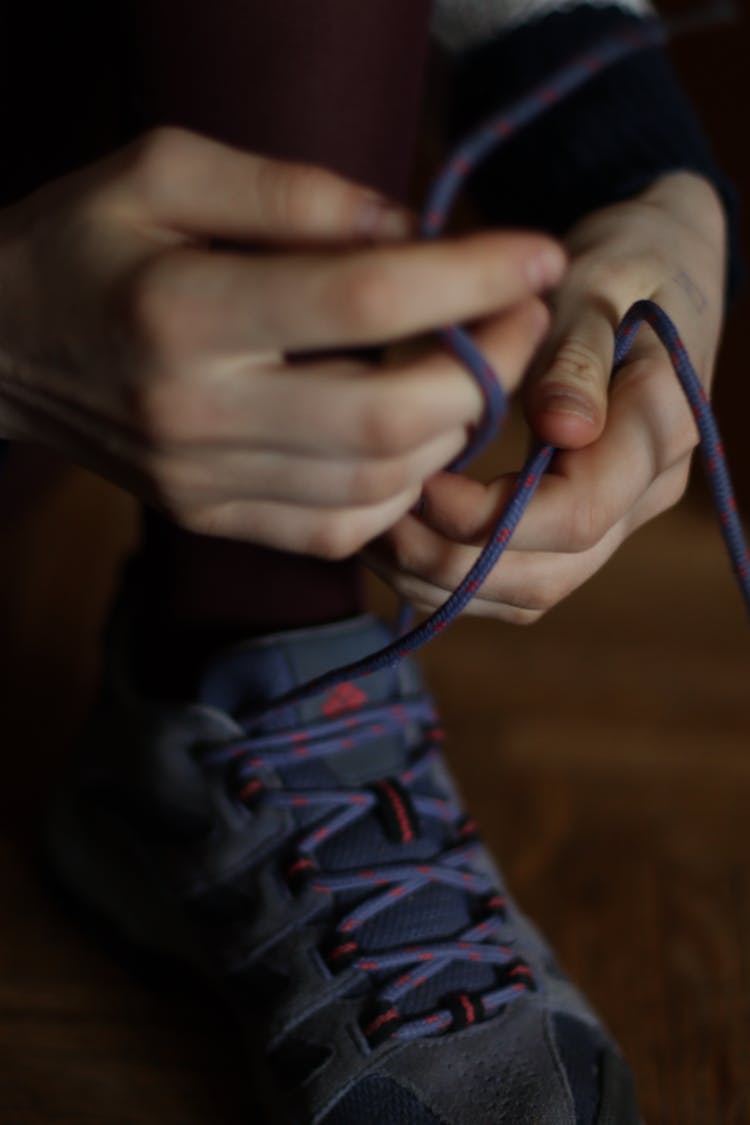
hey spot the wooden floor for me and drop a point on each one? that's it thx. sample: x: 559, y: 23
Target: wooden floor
x: 605, y: 752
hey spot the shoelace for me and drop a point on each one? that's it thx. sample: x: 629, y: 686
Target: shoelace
x: 405, y: 812
x: 342, y: 807
x: 499, y: 128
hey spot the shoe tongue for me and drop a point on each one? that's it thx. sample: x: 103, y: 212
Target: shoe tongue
x: 242, y: 679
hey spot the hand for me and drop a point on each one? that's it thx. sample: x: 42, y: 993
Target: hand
x: 149, y: 302
x: 626, y: 448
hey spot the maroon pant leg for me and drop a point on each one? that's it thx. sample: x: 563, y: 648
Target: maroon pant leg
x: 335, y: 82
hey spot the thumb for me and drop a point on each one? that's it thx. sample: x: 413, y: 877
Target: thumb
x: 185, y: 180
x: 566, y: 394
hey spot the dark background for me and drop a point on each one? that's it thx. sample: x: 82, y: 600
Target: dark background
x: 604, y: 752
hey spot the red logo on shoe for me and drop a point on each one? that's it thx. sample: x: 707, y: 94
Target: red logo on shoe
x: 344, y: 697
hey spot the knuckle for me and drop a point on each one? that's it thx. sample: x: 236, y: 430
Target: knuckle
x: 585, y: 525
x: 334, y: 538
x: 384, y: 430
x: 610, y: 277
x: 153, y: 156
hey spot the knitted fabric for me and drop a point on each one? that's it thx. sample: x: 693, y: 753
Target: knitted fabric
x: 459, y: 24
x: 603, y: 144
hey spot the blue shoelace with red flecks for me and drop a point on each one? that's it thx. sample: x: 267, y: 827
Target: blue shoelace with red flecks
x: 408, y: 813
x: 260, y: 752
x: 499, y: 128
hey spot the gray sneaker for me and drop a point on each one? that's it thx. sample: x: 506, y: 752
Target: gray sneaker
x: 316, y: 866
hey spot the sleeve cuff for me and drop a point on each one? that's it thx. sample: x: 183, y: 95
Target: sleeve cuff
x: 602, y: 144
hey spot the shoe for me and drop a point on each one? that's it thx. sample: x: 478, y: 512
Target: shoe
x: 318, y: 869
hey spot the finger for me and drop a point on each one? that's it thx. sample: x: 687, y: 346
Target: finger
x: 566, y: 396
x: 183, y: 180
x: 216, y: 475
x: 523, y: 585
x: 522, y: 578
x: 344, y: 409
x: 520, y: 589
x: 332, y: 534
x: 649, y: 430
x: 229, y: 303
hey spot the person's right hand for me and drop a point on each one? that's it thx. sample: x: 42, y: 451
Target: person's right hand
x: 148, y: 303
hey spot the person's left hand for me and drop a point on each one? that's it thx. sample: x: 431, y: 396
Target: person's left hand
x: 625, y: 447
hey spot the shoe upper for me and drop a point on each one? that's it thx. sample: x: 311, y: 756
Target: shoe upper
x: 317, y: 865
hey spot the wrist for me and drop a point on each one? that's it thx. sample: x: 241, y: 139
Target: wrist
x: 603, y: 144
x: 689, y: 195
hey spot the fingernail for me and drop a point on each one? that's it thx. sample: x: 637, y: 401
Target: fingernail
x: 567, y: 402
x: 546, y: 268
x: 380, y: 218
